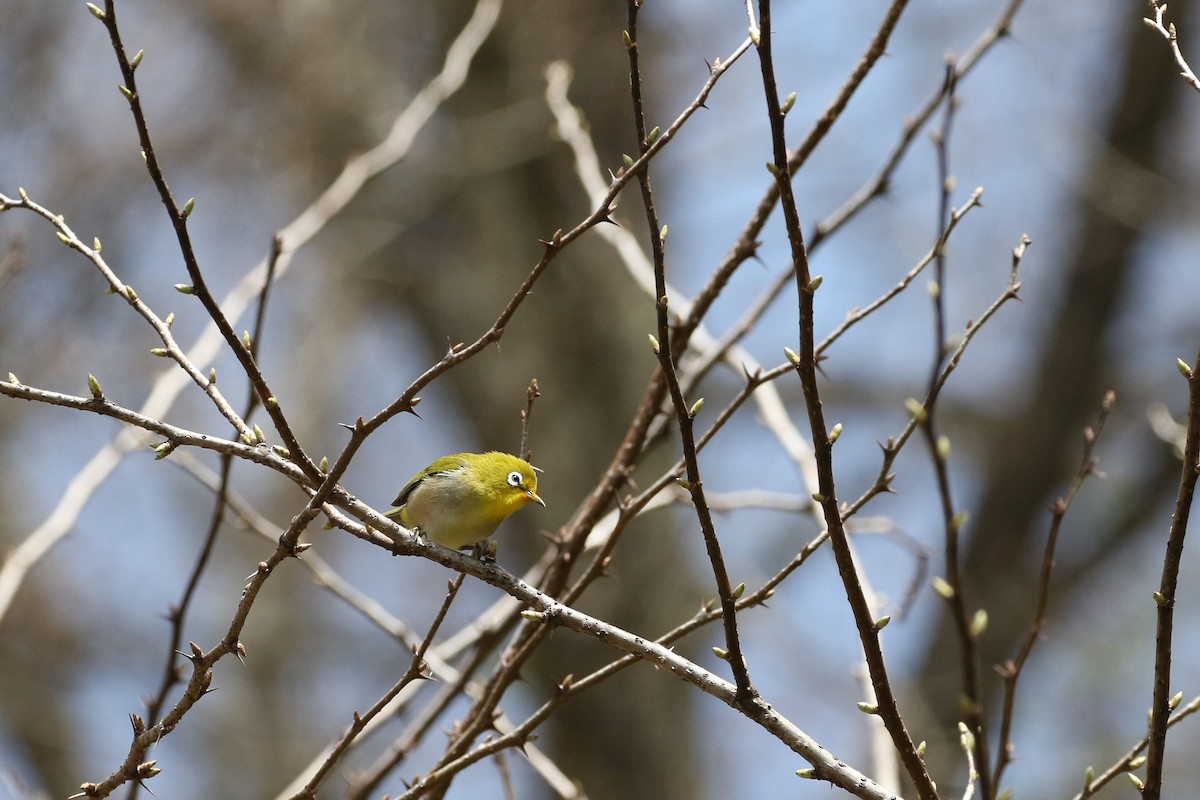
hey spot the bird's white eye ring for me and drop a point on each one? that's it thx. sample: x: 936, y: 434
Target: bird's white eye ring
x: 514, y: 478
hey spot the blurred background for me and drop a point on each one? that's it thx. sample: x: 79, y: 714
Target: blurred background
x: 1076, y: 126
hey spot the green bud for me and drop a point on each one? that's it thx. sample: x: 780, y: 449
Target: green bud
x: 740, y: 589
x: 791, y: 356
x: 94, y: 386
x: 684, y: 483
x: 943, y: 448
x: 271, y: 402
x: 836, y: 433
x: 915, y: 409
x: 1175, y: 701
x: 258, y: 434
x: 721, y: 653
x: 788, y: 102
x: 130, y: 294
x: 248, y: 439
x: 627, y: 160
x: 696, y: 406
x: 881, y: 623
x: 1137, y: 762
x: 814, y: 284
x: 921, y: 749
x: 1136, y: 781
x: 771, y: 168
x: 965, y: 737
x: 97, y: 12
x: 170, y: 319
x: 625, y: 38
x: 808, y: 773
x: 960, y: 519
x: 281, y: 451
x: 654, y: 344
x: 1089, y: 775
x: 934, y: 290
x: 755, y: 36
x: 662, y: 235
x: 96, y: 245
x: 246, y: 339
x: 533, y: 616
x: 979, y: 623
x: 137, y: 59
x: 212, y: 374
x: 652, y: 137
x: 1005, y: 795
x: 1160, y: 598
x: 867, y: 708
x: 128, y: 94
x: 161, y: 352
x: 323, y: 466
x: 942, y: 587
x: 163, y: 450
x: 13, y: 379
x: 185, y: 288
x: 818, y: 498
x: 62, y: 237
x: 186, y: 211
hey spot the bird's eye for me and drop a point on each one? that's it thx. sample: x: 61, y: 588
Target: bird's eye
x: 514, y: 479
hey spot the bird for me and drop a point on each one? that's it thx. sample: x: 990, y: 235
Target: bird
x: 459, y: 500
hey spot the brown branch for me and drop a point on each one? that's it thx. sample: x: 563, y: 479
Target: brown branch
x: 1010, y: 671
x: 1165, y: 596
x: 806, y: 368
x: 416, y: 671
x: 664, y: 349
x: 964, y: 622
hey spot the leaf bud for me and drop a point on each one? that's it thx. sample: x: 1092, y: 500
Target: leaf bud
x: 942, y: 587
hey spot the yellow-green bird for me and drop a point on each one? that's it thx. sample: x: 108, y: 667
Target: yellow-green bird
x: 460, y: 500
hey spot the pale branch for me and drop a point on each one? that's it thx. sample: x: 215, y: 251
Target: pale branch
x: 1168, y: 33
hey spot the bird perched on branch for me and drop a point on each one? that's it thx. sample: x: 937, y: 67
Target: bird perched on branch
x: 459, y: 500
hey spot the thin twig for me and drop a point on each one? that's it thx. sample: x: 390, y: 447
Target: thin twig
x: 1168, y: 33
x: 1093, y: 783
x: 1165, y: 596
x: 416, y: 671
x: 967, y: 625
x: 1010, y: 671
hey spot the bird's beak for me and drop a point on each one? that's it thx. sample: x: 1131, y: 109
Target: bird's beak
x: 533, y: 498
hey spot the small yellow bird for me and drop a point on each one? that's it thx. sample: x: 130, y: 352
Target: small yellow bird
x: 460, y: 500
